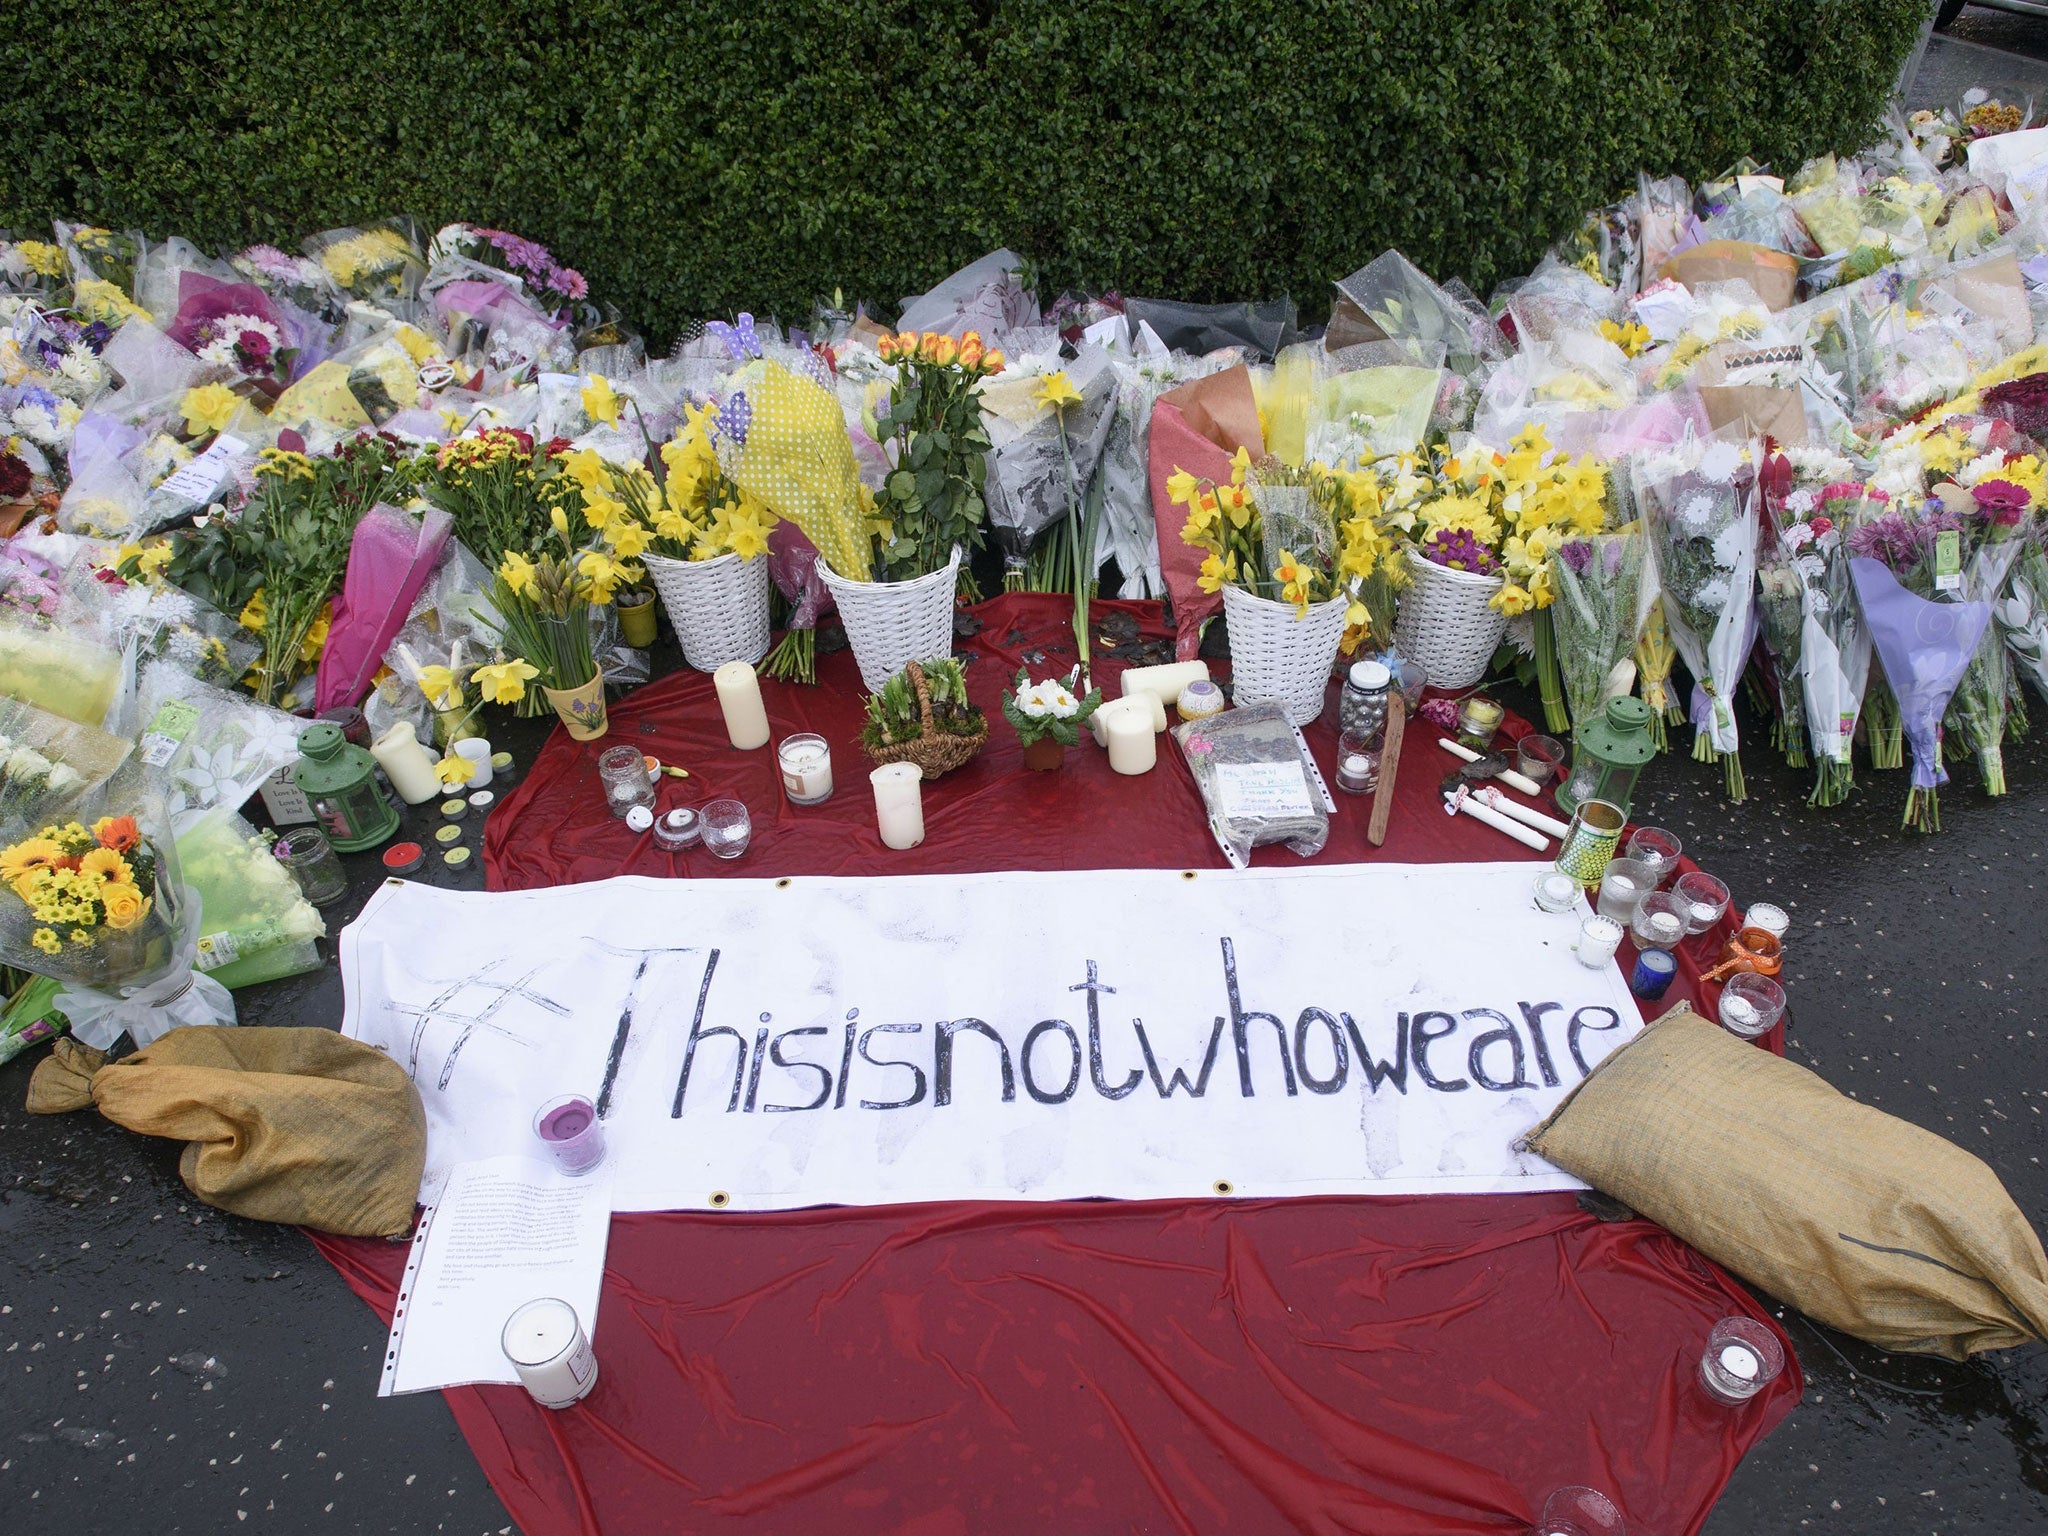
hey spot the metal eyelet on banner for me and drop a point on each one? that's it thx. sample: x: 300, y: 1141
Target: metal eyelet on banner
x: 1187, y: 874
x: 720, y: 1199
x: 1224, y: 1187
x: 784, y: 883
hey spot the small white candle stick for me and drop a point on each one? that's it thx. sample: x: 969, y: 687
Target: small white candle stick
x: 739, y: 698
x: 1507, y: 776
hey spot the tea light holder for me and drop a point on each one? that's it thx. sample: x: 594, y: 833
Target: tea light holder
x: 573, y: 1135
x: 1750, y: 1005
x: 1773, y: 920
x: 806, y: 764
x: 1702, y: 900
x: 1657, y: 848
x: 1478, y: 718
x: 677, y: 830
x: 623, y: 773
x: 1539, y: 758
x: 1556, y: 892
x: 1578, y: 1511
x: 1358, y: 762
x: 1623, y: 886
x: 639, y: 819
x: 1658, y: 923
x: 1599, y: 938
x: 476, y: 751
x: 551, y: 1353
x: 1590, y: 841
x: 1742, y: 1357
x: 728, y: 829
x: 1199, y: 700
x: 1653, y: 973
x: 1753, y: 950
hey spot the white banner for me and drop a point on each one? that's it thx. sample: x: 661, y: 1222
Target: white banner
x: 765, y: 1044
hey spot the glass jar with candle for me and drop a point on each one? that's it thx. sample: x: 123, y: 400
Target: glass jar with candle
x: 1773, y: 920
x: 806, y: 764
x: 340, y: 779
x: 1702, y: 900
x: 1478, y: 718
x: 569, y: 1129
x: 1538, y: 758
x: 1752, y: 949
x: 1590, y: 841
x: 1608, y: 752
x: 1741, y: 1359
x: 1653, y: 974
x: 1358, y: 761
x: 306, y: 852
x: 623, y: 772
x: 1623, y: 885
x: 1657, y: 848
x: 1659, y: 921
x: 1599, y: 938
x: 728, y: 829
x: 1556, y: 892
x: 1750, y: 1005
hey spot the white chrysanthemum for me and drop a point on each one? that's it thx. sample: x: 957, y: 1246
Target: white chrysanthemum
x: 82, y: 368
x: 1816, y: 461
x: 37, y: 422
x: 1984, y: 464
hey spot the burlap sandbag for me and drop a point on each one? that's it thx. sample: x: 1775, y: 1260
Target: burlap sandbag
x: 1853, y: 1216
x: 293, y: 1125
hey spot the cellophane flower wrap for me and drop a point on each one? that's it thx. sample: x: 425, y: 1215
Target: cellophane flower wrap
x: 1834, y: 641
x: 255, y: 923
x: 1598, y: 579
x: 1700, y: 499
x: 98, y: 904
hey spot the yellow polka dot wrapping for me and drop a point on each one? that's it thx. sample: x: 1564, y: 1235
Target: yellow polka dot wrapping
x: 798, y: 460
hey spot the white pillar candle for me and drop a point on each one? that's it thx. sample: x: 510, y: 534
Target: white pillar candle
x: 549, y: 1349
x: 739, y: 696
x: 1164, y: 683
x: 899, y: 803
x: 1132, y: 746
x: 476, y: 751
x: 408, y: 765
x: 1142, y: 706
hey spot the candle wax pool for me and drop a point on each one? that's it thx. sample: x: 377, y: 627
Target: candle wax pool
x: 1739, y: 1010
x: 1703, y: 912
x: 1737, y: 1360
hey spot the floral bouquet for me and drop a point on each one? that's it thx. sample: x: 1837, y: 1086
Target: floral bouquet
x: 548, y: 608
x: 555, y: 287
x: 255, y: 923
x: 932, y: 500
x: 1700, y: 500
x: 1781, y: 611
x: 1598, y: 579
x: 298, y: 280
x: 2022, y: 614
x: 101, y: 910
x: 1834, y: 641
x: 380, y: 265
x: 1906, y: 567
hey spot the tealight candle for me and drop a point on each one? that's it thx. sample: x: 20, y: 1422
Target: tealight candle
x: 739, y: 698
x: 1556, y: 892
x: 572, y: 1133
x: 899, y: 804
x: 454, y: 810
x: 482, y: 800
x: 1658, y: 922
x: 1773, y: 920
x: 677, y: 830
x: 1599, y: 938
x: 1132, y: 746
x: 1478, y: 718
x: 551, y: 1353
x: 806, y: 764
x: 1623, y: 885
x: 1742, y: 1357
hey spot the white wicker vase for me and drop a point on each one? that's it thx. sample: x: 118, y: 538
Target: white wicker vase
x: 719, y: 607
x: 890, y: 624
x: 1445, y: 622
x: 1274, y: 655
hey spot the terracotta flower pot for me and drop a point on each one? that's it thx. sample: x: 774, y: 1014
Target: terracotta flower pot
x: 1045, y: 755
x: 580, y: 709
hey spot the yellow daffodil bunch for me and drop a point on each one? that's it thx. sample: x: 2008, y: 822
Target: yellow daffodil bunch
x: 1633, y: 338
x: 81, y: 881
x: 693, y: 511
x: 545, y: 599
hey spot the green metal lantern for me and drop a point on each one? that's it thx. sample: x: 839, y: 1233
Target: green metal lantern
x: 340, y: 779
x: 1608, y: 751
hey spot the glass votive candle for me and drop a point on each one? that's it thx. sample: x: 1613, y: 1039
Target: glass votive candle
x: 1751, y: 1004
x: 1652, y: 974
x: 1590, y: 841
x: 1742, y: 1358
x: 573, y: 1135
x: 1754, y: 950
x: 1538, y: 758
x: 727, y: 828
x: 1599, y: 938
x: 1659, y: 921
x: 306, y: 852
x: 1413, y: 677
x: 1358, y: 761
x: 1579, y: 1512
x: 1478, y: 718
x: 623, y: 772
x: 677, y: 830
x: 1657, y: 848
x: 806, y: 764
x: 1773, y: 920
x: 1702, y: 900
x: 1623, y: 886
x: 1556, y: 892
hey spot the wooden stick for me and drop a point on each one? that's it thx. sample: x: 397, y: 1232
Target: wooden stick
x: 1390, y: 764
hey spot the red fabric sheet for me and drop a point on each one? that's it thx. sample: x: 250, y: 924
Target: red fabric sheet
x: 1382, y: 1365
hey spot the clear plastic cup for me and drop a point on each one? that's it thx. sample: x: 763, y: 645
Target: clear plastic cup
x: 728, y: 829
x: 1579, y: 1511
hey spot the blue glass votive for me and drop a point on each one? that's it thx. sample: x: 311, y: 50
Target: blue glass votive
x: 1654, y: 971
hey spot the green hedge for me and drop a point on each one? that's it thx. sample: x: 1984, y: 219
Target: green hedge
x: 698, y: 158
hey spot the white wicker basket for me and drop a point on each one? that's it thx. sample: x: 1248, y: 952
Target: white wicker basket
x: 892, y: 623
x: 1446, y: 624
x: 719, y: 607
x: 1274, y: 655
